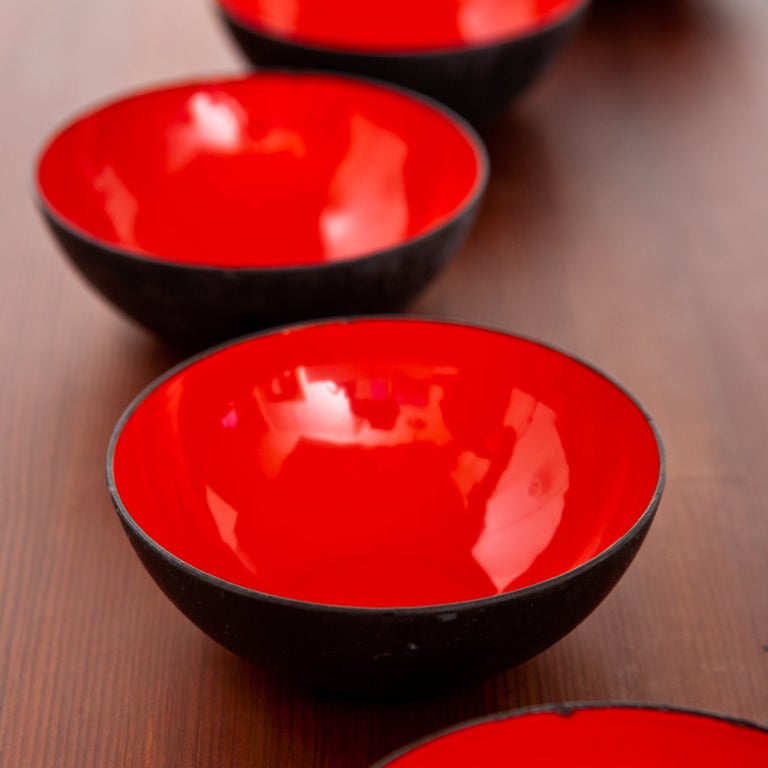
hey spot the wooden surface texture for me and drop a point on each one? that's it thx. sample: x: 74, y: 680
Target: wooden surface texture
x: 626, y: 221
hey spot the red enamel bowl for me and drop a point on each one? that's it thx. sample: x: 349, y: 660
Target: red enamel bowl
x: 211, y: 209
x: 592, y: 736
x: 474, y: 55
x: 383, y: 504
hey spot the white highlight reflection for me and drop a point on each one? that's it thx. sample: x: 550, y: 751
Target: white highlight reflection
x: 365, y: 207
x: 526, y: 507
x: 120, y: 204
x: 217, y: 123
x: 476, y: 18
x: 225, y: 518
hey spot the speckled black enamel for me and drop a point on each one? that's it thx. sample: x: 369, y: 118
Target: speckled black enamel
x: 477, y: 82
x: 378, y: 652
x: 194, y: 307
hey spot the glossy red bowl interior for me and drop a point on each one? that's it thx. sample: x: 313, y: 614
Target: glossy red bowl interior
x: 272, y: 170
x: 593, y: 736
x: 398, y: 26
x: 385, y: 463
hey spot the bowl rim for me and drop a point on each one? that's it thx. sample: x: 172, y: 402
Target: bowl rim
x: 469, y: 203
x: 642, y: 522
x: 566, y: 709
x: 571, y: 15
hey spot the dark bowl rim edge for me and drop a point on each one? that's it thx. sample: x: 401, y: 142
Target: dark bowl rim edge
x: 469, y: 204
x: 640, y: 525
x: 566, y: 709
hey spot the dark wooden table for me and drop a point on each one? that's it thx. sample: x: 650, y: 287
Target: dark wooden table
x: 626, y: 221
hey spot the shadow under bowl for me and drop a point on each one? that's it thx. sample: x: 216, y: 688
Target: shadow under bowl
x: 385, y: 505
x: 473, y: 56
x: 208, y: 210
x: 591, y: 735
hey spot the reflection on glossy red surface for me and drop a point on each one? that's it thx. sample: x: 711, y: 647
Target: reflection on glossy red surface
x: 270, y: 170
x: 398, y: 25
x: 386, y: 463
x: 595, y: 737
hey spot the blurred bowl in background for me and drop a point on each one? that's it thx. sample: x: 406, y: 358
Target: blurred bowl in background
x: 593, y: 735
x: 475, y: 56
x: 385, y: 505
x: 206, y: 210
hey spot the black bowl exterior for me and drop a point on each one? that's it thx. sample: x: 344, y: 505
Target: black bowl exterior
x: 193, y: 307
x: 388, y: 652
x: 477, y: 82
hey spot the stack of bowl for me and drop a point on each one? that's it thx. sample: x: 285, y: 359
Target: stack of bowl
x: 370, y: 505
x: 373, y: 505
x: 206, y: 210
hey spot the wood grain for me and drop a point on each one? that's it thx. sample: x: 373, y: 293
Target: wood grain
x: 625, y: 222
